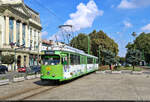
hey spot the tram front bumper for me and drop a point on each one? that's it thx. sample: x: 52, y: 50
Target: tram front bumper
x: 51, y: 77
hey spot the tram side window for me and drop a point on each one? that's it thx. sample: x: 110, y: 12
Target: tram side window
x: 77, y: 59
x: 74, y: 59
x: 82, y: 60
x: 96, y: 61
x: 90, y: 60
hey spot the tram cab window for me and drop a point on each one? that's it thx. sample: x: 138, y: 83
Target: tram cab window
x: 51, y: 60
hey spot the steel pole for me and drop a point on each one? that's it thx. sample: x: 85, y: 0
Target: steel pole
x: 88, y: 44
x: 99, y: 56
x: 15, y: 61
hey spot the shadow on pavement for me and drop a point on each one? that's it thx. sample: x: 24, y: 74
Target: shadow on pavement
x: 57, y: 83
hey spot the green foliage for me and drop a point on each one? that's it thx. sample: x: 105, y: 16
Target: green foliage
x: 98, y: 41
x: 109, y: 57
x: 133, y: 57
x: 122, y: 60
x: 80, y: 42
x: 130, y: 68
x: 130, y: 46
x: 142, y: 43
x: 7, y: 59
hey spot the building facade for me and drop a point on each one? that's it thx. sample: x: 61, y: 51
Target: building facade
x: 20, y: 33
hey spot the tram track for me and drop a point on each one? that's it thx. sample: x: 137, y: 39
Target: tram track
x: 29, y: 92
x: 19, y: 93
x: 37, y: 93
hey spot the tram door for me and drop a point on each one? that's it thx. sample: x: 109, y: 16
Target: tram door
x: 65, y: 62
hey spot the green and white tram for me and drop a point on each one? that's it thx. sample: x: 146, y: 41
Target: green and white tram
x: 65, y: 63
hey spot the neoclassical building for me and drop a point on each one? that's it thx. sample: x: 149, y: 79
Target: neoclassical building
x: 20, y: 33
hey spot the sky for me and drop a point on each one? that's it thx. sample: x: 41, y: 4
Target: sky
x: 117, y: 18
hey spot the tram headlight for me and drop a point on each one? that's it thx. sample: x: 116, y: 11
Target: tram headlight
x: 53, y: 75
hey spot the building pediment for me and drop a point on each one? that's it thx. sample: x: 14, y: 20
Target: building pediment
x: 18, y: 8
x: 22, y: 9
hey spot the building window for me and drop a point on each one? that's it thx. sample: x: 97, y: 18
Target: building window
x: 31, y: 37
x: 18, y: 33
x: 23, y: 34
x: 34, y: 39
x: 5, y: 30
x: 10, y: 30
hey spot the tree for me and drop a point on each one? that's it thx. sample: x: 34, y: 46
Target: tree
x: 142, y: 43
x: 7, y: 59
x: 101, y: 39
x: 98, y: 41
x: 133, y: 57
x: 130, y: 46
x: 109, y: 58
x: 80, y: 42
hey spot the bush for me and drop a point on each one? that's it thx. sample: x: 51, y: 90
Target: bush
x: 7, y: 59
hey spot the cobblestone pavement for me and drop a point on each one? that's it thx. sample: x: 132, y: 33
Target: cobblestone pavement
x: 101, y: 87
x: 89, y: 87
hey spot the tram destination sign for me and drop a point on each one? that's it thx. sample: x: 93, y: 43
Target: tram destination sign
x: 49, y: 52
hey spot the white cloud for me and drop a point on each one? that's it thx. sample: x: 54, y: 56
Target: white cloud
x: 56, y: 36
x: 84, y: 16
x: 146, y: 27
x: 127, y: 24
x: 126, y: 4
x: 44, y: 33
x: 129, y: 4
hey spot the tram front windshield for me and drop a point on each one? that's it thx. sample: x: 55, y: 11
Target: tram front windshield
x: 51, y: 60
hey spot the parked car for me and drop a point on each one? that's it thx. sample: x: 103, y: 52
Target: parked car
x: 22, y: 69
x: 3, y: 69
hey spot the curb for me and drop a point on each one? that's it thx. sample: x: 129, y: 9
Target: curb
x: 30, y: 77
x: 18, y: 79
x: 135, y: 72
x: 4, y: 82
x: 122, y: 72
x: 116, y: 72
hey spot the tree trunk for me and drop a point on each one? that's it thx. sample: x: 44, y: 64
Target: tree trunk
x: 110, y: 67
x: 133, y: 66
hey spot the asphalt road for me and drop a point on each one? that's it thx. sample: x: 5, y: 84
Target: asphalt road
x: 90, y: 87
x: 101, y: 87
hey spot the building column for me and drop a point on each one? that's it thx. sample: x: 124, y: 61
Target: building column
x: 14, y: 30
x: 20, y: 33
x: 26, y: 35
x: 7, y: 30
